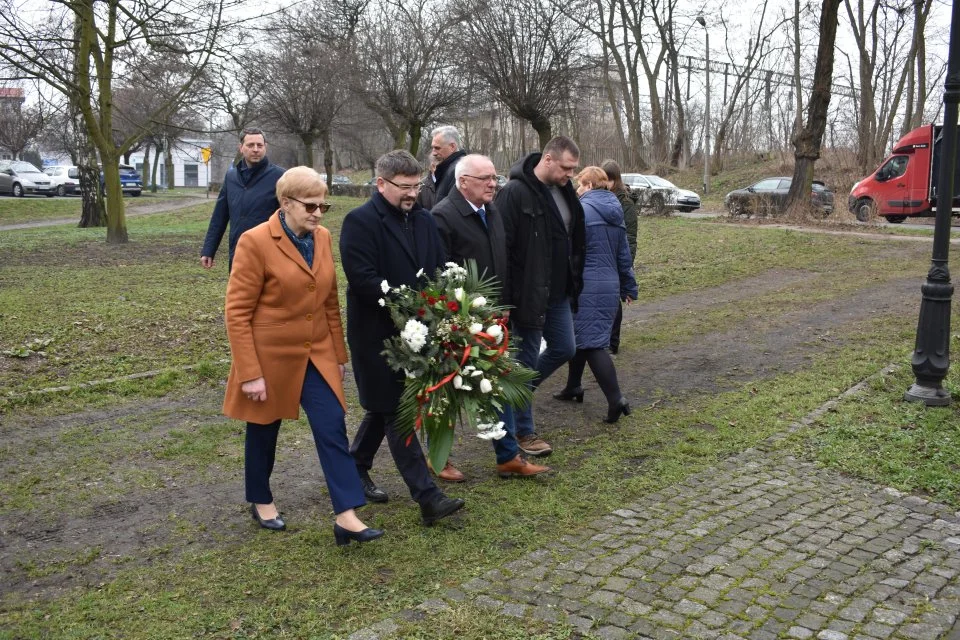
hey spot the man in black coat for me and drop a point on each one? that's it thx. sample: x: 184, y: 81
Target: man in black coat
x: 546, y: 241
x: 446, y: 148
x: 471, y: 228
x: 247, y: 198
x: 390, y: 238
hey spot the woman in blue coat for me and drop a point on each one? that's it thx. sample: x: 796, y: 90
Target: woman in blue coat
x: 607, y: 279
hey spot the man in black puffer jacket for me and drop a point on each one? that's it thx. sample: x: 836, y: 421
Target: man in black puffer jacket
x: 546, y: 239
x: 446, y: 148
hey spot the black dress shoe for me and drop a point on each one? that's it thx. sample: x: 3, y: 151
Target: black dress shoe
x: 274, y: 524
x: 570, y: 394
x: 439, y: 507
x: 373, y: 493
x: 344, y: 536
x: 614, y: 412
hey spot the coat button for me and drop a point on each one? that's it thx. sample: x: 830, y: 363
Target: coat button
x: 309, y: 316
x: 306, y: 345
x: 311, y: 287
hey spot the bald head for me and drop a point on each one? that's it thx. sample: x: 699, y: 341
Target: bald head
x: 476, y: 179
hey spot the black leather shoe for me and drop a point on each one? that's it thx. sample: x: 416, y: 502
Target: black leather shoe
x: 373, y: 493
x: 614, y: 412
x: 439, y: 507
x: 344, y: 536
x: 570, y: 394
x: 274, y: 524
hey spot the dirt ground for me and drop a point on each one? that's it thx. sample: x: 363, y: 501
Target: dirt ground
x: 141, y: 524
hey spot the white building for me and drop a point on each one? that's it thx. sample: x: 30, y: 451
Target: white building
x: 189, y: 170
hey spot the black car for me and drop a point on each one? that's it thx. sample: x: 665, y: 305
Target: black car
x: 770, y: 194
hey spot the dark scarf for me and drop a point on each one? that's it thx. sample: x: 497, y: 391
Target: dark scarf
x: 304, y: 245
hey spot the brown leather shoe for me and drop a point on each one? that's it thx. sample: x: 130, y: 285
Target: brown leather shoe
x: 449, y: 472
x: 519, y: 467
x: 534, y: 445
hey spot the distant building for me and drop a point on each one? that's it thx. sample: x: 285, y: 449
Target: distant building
x: 189, y: 169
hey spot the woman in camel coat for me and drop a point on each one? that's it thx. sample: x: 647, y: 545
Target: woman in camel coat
x: 283, y: 322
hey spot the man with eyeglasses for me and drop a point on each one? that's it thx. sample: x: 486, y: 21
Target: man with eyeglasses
x: 472, y: 228
x: 389, y: 238
x: 546, y: 241
x: 247, y: 198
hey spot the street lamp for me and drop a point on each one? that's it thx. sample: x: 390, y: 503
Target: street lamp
x: 706, y: 131
x: 931, y: 355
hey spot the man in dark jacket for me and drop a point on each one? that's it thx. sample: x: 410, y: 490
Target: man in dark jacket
x: 389, y: 238
x: 546, y: 240
x: 247, y: 198
x: 471, y: 228
x: 446, y: 147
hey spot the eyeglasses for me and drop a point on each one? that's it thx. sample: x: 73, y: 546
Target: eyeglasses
x: 311, y: 207
x: 492, y: 177
x: 405, y: 187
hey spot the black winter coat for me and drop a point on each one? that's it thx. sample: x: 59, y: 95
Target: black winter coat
x: 529, y: 214
x: 445, y: 174
x: 374, y: 248
x: 465, y: 236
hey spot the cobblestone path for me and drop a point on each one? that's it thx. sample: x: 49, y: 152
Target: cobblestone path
x: 762, y: 546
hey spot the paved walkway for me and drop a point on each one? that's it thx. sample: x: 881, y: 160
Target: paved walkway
x: 763, y: 546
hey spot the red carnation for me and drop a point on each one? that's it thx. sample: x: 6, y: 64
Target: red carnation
x: 421, y: 312
x: 454, y: 327
x: 442, y: 297
x: 431, y: 300
x: 453, y: 306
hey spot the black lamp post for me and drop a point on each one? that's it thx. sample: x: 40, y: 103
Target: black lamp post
x: 931, y: 356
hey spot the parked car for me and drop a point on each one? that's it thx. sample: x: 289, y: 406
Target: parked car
x: 19, y: 178
x: 682, y: 200
x: 501, y: 181
x: 649, y: 195
x: 771, y: 193
x: 905, y: 183
x: 130, y: 182
x: 339, y: 179
x: 64, y: 179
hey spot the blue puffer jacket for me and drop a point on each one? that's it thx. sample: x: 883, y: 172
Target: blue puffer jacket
x: 607, y: 270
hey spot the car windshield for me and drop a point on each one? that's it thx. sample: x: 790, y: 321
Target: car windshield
x: 661, y: 182
x: 24, y: 167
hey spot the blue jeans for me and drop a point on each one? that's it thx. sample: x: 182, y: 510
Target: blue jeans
x: 506, y: 447
x: 561, y: 347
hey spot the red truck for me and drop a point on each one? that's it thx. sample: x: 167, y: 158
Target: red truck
x: 905, y: 184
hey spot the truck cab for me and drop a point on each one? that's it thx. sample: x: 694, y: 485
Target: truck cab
x: 905, y: 183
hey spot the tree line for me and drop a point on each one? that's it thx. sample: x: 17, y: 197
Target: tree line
x: 345, y: 80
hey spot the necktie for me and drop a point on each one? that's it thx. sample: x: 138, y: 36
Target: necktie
x: 483, y: 215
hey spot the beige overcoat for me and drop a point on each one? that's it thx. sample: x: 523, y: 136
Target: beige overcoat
x: 279, y: 314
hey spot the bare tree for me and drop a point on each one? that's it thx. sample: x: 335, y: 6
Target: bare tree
x: 808, y: 140
x: 527, y: 52
x: 93, y: 37
x: 19, y: 127
x: 406, y: 72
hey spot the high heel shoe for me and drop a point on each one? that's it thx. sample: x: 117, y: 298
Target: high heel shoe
x: 614, y: 413
x: 274, y: 524
x: 570, y: 394
x: 344, y: 536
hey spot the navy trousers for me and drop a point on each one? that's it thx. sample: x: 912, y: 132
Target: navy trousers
x: 326, y: 419
x: 409, y: 458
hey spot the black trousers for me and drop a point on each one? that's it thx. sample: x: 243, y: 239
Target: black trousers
x: 615, y: 330
x: 408, y: 457
x: 601, y: 364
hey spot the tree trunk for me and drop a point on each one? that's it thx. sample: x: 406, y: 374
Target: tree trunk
x: 307, y: 139
x: 327, y: 157
x: 170, y: 171
x: 156, y: 163
x: 416, y: 132
x: 116, y: 216
x: 145, y: 170
x: 541, y: 124
x: 92, y: 212
x: 807, y: 142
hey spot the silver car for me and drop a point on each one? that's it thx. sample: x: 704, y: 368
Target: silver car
x: 649, y: 195
x: 683, y: 199
x: 19, y: 178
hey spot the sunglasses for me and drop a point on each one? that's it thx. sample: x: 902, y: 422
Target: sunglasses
x: 312, y: 207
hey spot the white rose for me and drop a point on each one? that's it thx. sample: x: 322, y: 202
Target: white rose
x: 476, y: 327
x: 382, y: 302
x: 485, y: 386
x: 384, y: 286
x: 479, y: 301
x: 458, y: 293
x: 420, y: 273
x: 495, y: 331
x: 457, y: 382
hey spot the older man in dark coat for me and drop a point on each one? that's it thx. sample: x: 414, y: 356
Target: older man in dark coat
x: 471, y: 228
x: 389, y: 238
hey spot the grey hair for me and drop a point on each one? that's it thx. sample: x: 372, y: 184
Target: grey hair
x: 450, y: 134
x: 397, y: 163
x: 461, y: 167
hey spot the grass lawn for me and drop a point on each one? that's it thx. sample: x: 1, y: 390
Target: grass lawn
x: 31, y: 209
x: 97, y: 311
